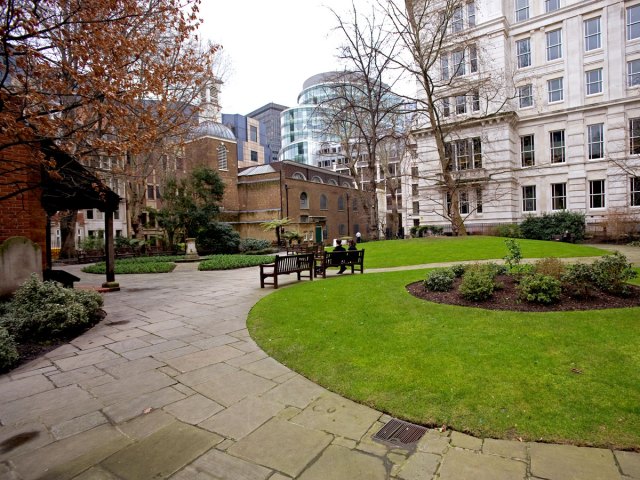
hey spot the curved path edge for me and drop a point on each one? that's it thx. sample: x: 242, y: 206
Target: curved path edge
x: 170, y: 385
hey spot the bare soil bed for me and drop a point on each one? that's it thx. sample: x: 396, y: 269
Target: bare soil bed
x: 506, y: 298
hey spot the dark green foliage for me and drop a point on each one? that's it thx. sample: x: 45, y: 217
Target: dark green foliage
x: 42, y: 310
x: 552, y: 267
x: 440, y: 280
x: 217, y: 238
x: 424, y: 230
x: 253, y: 245
x: 227, y: 262
x: 509, y: 230
x: 611, y: 272
x: 458, y: 270
x: 8, y: 351
x: 539, y: 288
x: 194, y: 205
x: 477, y: 283
x: 550, y: 224
x: 577, y: 280
x: 497, y: 269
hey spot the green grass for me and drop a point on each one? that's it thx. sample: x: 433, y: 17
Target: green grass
x: 557, y: 377
x: 418, y: 251
x: 227, y: 262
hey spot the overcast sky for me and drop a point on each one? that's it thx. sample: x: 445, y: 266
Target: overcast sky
x: 273, y: 46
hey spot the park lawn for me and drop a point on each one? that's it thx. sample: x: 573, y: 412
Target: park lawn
x: 555, y: 377
x: 418, y: 251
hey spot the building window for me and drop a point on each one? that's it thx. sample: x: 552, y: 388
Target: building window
x: 464, y: 203
x: 457, y: 20
x: 557, y: 146
x: 527, y: 151
x: 594, y: 81
x: 323, y: 202
x: 414, y: 171
x: 633, y: 22
x: 222, y: 157
x: 414, y: 189
x: 461, y: 104
x: 523, y: 51
x: 340, y: 203
x: 473, y: 59
x: 253, y: 133
x: 522, y: 10
x: 90, y: 214
x: 525, y: 96
x: 444, y: 67
x: 635, y: 192
x: 596, y: 194
x: 416, y: 208
x: 558, y: 196
x: 634, y: 135
x: 342, y: 230
x: 180, y: 164
x: 554, y: 44
x: 595, y: 134
x: 471, y: 14
x: 304, y: 200
x: 150, y: 192
x: 458, y: 63
x: 529, y: 198
x: 475, y: 101
x: 254, y: 156
x: 551, y: 5
x: 633, y: 73
x: 478, y: 200
x: 476, y: 145
x: 592, y: 35
x: 555, y: 90
x: 446, y: 109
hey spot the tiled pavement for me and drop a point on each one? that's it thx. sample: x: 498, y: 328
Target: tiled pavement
x: 170, y: 385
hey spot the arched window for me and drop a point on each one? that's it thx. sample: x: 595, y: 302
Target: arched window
x: 340, y: 203
x: 316, y: 179
x: 354, y: 204
x: 304, y: 200
x: 332, y: 182
x: 222, y: 157
x: 298, y: 176
x: 346, y: 184
x: 323, y: 202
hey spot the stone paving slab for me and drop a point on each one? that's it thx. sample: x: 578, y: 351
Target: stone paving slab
x: 566, y: 462
x: 468, y: 465
x: 222, y: 466
x: 194, y: 361
x: 151, y: 459
x: 339, y: 462
x: 629, y: 463
x: 193, y: 409
x: 242, y: 418
x: 294, y: 449
x: 25, y: 387
x: 230, y: 389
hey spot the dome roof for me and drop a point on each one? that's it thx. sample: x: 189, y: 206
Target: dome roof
x: 209, y: 128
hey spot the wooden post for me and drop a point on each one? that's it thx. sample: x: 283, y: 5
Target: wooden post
x: 49, y: 260
x: 109, y: 252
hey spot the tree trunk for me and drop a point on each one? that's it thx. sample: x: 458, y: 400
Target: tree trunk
x: 68, y: 222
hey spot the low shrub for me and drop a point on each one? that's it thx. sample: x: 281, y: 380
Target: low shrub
x: 546, y: 226
x: 228, y: 262
x: 539, y: 288
x: 612, y: 272
x: 552, y: 267
x: 42, y: 310
x: 458, y: 270
x: 217, y: 238
x: 477, y: 283
x: 134, y: 265
x: 253, y: 245
x: 440, y: 280
x: 497, y: 269
x: 509, y: 230
x: 514, y: 256
x: 577, y: 280
x: 8, y: 351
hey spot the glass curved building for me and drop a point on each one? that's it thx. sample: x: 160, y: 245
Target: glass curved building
x: 303, y: 126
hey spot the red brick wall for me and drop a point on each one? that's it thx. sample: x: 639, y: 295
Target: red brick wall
x: 21, y: 215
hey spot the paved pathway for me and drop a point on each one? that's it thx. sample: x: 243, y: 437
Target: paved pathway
x: 170, y: 385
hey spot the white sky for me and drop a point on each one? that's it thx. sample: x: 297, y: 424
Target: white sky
x: 273, y: 46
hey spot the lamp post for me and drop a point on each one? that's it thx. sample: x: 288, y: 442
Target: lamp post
x: 286, y: 196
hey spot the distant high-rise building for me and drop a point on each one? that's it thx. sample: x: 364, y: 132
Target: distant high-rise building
x: 269, y: 116
x: 250, y: 136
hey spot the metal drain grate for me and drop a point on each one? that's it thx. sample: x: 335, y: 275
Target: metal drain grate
x: 399, y: 432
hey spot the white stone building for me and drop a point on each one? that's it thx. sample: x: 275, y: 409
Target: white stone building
x: 569, y: 137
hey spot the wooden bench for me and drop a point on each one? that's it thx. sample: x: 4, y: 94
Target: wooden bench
x: 350, y: 258
x: 285, y: 265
